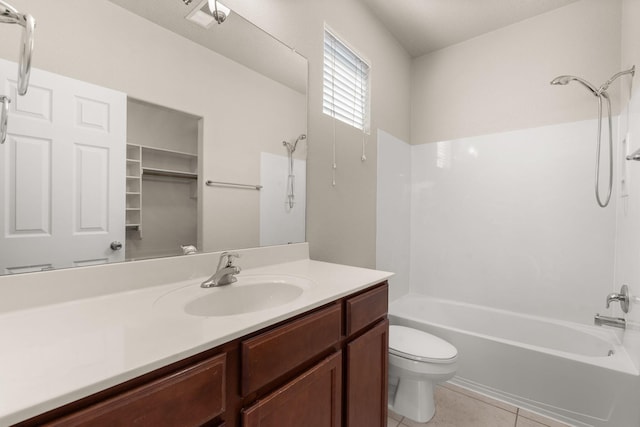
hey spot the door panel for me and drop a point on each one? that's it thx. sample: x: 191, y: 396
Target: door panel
x: 366, y: 386
x: 314, y: 399
x: 62, y: 183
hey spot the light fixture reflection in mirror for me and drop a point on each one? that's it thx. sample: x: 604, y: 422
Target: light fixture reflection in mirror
x: 218, y: 11
x: 161, y: 59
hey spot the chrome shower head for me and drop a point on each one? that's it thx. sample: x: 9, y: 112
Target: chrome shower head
x: 564, y: 80
x: 292, y: 147
x: 561, y: 80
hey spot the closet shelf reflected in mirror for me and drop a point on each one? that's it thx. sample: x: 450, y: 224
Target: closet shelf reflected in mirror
x: 144, y: 161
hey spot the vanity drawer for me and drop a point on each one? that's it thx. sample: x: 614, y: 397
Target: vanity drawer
x: 274, y: 353
x: 189, y: 397
x: 366, y: 308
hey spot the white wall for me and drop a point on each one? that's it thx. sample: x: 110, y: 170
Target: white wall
x: 101, y: 43
x: 393, y: 234
x: 341, y: 220
x: 510, y: 221
x: 500, y: 81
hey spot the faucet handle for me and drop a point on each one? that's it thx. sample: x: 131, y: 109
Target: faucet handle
x: 230, y: 256
x: 226, y: 259
x: 622, y: 297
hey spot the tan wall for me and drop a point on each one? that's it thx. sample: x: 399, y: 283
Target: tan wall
x: 500, y: 81
x: 341, y: 220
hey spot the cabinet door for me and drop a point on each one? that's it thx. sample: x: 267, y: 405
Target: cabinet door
x: 314, y: 399
x: 366, y: 386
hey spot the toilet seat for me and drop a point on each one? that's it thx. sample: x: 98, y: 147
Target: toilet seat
x: 420, y: 346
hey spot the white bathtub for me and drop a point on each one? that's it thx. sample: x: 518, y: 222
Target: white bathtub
x: 559, y: 369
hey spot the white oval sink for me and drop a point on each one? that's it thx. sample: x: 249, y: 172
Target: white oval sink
x: 249, y: 294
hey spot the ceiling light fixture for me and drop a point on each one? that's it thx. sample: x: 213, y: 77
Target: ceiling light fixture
x: 218, y: 11
x: 208, y: 12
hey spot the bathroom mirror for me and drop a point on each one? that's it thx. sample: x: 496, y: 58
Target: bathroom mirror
x: 174, y: 136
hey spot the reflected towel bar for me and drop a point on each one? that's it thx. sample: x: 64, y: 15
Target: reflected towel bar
x: 232, y: 184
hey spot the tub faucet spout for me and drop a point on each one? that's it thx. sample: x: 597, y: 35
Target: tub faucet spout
x: 616, y: 322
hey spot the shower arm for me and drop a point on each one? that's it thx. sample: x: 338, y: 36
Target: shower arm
x: 606, y: 84
x: 10, y: 15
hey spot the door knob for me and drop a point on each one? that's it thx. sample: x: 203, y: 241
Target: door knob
x: 115, y: 246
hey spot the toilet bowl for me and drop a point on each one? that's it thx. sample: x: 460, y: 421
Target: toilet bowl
x: 417, y: 362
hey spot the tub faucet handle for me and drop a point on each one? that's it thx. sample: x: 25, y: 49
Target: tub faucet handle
x: 622, y: 297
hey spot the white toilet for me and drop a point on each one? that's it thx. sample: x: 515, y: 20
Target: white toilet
x: 417, y: 362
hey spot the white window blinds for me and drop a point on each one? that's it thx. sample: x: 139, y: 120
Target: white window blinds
x: 346, y: 84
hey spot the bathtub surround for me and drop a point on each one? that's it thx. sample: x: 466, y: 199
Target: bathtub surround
x: 499, y: 220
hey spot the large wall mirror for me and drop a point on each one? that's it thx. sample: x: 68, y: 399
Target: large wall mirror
x: 148, y: 130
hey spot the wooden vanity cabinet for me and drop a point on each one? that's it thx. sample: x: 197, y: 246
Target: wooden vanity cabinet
x: 325, y: 368
x: 353, y: 378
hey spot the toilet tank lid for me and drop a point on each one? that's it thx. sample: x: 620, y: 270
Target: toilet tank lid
x: 418, y: 343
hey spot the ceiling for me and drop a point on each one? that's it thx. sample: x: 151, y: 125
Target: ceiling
x: 423, y: 26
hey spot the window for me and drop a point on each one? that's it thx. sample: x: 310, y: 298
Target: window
x: 346, y: 84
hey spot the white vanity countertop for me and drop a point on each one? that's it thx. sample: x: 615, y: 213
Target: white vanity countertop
x: 55, y: 354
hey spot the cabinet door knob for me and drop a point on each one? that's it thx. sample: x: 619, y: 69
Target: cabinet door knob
x: 115, y: 246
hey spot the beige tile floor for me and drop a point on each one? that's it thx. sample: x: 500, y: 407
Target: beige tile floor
x: 459, y: 407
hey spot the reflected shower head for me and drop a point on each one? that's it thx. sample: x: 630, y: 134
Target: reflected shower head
x: 561, y: 80
x: 564, y: 80
x: 292, y: 147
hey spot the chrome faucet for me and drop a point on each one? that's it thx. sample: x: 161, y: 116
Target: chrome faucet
x: 225, y: 273
x: 616, y: 322
x: 622, y: 297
